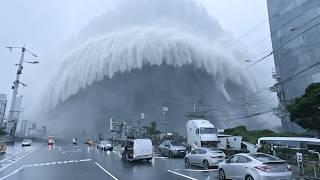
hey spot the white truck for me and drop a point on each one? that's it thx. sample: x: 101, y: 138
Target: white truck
x: 201, y: 134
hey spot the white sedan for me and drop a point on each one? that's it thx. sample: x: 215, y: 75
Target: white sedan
x: 26, y: 142
x: 254, y: 166
x: 204, y: 157
x: 105, y: 145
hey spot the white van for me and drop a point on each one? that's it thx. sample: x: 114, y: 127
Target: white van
x: 137, y: 149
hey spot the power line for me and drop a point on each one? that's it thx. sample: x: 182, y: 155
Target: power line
x: 283, y: 25
x: 298, y: 73
x: 283, y: 45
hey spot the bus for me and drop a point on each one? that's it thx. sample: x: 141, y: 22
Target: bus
x: 291, y: 142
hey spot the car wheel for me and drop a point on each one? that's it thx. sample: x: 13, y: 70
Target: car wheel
x: 248, y: 177
x: 205, y: 164
x: 187, y: 162
x: 222, y: 175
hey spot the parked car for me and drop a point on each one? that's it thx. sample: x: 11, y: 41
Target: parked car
x: 250, y: 166
x: 172, y: 148
x: 105, y: 145
x: 137, y: 149
x: 204, y: 157
x: 50, y: 140
x: 26, y: 142
x: 3, y: 148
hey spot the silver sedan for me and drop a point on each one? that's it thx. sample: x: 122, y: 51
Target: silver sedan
x: 254, y: 166
x: 172, y: 149
x: 204, y: 157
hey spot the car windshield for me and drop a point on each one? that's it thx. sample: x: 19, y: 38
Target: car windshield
x: 175, y: 143
x: 208, y: 131
x: 26, y: 140
x: 264, y: 157
x: 105, y: 142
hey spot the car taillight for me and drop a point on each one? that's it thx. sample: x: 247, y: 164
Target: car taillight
x: 263, y: 168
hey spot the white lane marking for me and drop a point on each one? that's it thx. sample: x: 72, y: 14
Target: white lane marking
x: 179, y: 174
x: 105, y: 171
x: 160, y: 157
x: 41, y: 164
x: 12, y: 173
x: 14, y: 161
x: 6, y: 158
x: 72, y: 151
x: 196, y: 170
x: 85, y: 160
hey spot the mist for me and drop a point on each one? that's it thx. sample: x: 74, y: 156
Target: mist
x: 138, y: 54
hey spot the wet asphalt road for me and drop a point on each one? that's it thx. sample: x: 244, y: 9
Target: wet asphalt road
x: 82, y: 162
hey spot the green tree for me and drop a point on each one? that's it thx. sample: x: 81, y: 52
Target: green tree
x: 152, y: 129
x: 305, y: 110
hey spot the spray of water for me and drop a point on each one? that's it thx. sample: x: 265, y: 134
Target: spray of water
x: 143, y: 35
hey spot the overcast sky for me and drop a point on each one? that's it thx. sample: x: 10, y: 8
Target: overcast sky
x: 45, y: 26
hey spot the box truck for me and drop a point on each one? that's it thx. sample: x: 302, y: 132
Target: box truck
x: 201, y: 134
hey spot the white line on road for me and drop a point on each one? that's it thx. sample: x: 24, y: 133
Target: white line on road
x: 12, y: 173
x: 105, y: 171
x: 41, y: 164
x: 160, y: 157
x: 179, y: 174
x: 73, y: 151
x: 196, y: 170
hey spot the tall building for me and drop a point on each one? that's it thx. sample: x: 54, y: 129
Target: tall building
x: 3, y: 105
x: 295, y: 29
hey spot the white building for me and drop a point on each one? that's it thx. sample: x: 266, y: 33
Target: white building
x: 16, y: 114
x: 3, y: 105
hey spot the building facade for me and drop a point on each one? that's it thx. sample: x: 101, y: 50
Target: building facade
x: 3, y: 106
x: 295, y: 29
x: 16, y: 113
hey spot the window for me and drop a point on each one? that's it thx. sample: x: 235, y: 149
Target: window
x: 243, y: 159
x: 264, y: 157
x: 202, y: 151
x: 208, y: 131
x: 175, y: 143
x: 197, y: 131
x: 233, y: 159
x: 194, y: 151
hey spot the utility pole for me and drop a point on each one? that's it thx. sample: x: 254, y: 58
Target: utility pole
x: 165, y: 109
x: 16, y: 86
